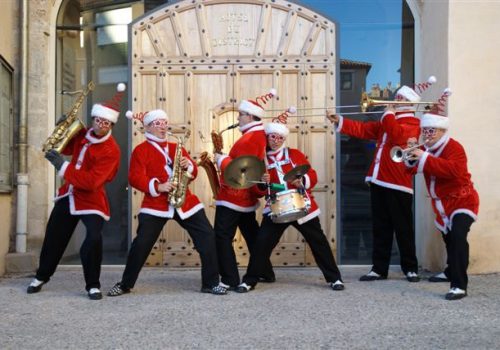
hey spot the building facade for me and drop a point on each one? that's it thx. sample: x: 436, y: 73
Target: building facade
x: 451, y: 41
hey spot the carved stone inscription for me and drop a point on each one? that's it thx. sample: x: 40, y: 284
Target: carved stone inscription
x: 233, y: 23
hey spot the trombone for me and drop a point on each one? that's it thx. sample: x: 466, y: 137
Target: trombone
x: 398, y: 154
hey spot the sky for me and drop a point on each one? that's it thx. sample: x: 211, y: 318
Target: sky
x: 370, y: 31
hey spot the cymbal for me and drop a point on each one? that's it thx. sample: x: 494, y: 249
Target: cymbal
x: 242, y: 170
x: 298, y: 171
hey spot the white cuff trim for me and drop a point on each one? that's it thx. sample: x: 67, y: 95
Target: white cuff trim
x: 152, y: 189
x: 62, y: 171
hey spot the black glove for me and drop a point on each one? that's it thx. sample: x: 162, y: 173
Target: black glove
x: 55, y: 158
x: 61, y: 119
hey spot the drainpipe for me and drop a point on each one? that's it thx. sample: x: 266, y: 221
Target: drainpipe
x: 22, y: 146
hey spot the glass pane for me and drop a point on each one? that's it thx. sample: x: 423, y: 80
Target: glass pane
x: 373, y: 59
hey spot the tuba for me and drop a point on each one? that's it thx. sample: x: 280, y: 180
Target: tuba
x: 205, y: 162
x: 69, y: 127
x: 180, y: 177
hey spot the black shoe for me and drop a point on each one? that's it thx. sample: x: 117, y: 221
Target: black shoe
x: 267, y: 279
x: 118, y: 290
x: 440, y: 277
x: 34, y: 287
x: 337, y: 285
x: 455, y: 294
x: 95, y: 294
x: 217, y: 290
x: 412, y: 277
x: 372, y: 276
x: 243, y: 288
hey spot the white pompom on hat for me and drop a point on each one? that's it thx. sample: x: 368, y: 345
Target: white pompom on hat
x: 254, y: 107
x: 279, y: 124
x: 110, y: 110
x: 436, y: 117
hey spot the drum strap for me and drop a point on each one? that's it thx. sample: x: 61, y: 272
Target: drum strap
x: 277, y: 164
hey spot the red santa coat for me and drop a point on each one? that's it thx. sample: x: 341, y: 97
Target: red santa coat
x: 392, y: 130
x: 281, y: 162
x: 252, y: 142
x: 448, y: 181
x: 94, y: 163
x: 150, y: 165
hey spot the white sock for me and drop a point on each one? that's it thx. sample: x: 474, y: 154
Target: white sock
x: 457, y: 291
x: 35, y: 283
x: 223, y: 285
x: 441, y: 275
x: 411, y: 274
x: 373, y: 273
x: 94, y: 290
x: 244, y: 285
x: 337, y: 282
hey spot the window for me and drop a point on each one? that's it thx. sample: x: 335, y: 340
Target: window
x: 346, y: 80
x: 6, y: 124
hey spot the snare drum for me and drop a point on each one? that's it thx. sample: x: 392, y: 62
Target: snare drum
x: 288, y: 206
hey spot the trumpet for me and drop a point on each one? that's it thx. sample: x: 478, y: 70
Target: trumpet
x: 366, y: 102
x: 398, y: 154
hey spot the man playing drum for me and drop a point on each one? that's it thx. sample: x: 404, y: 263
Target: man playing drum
x: 279, y: 161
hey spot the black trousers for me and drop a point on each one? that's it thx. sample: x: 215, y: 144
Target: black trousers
x: 269, y: 236
x: 59, y: 230
x: 226, y: 222
x: 197, y: 226
x: 392, y: 213
x: 457, y: 249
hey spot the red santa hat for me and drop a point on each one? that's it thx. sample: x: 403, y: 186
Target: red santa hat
x: 110, y: 110
x: 436, y: 117
x: 411, y: 94
x: 278, y: 124
x: 147, y: 118
x: 254, y: 107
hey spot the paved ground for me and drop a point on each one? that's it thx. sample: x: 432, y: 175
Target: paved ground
x: 298, y: 312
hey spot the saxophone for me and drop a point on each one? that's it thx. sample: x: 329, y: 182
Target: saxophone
x: 180, y: 177
x: 69, y: 127
x: 205, y: 162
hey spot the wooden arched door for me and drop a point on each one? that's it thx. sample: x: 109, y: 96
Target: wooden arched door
x: 190, y: 57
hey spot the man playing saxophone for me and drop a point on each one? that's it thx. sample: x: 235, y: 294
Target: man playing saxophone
x: 153, y: 170
x: 95, y: 160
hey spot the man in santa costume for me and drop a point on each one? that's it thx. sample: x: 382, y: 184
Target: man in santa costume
x: 279, y: 161
x: 95, y: 158
x: 150, y: 172
x: 443, y: 162
x: 235, y: 208
x: 391, y: 187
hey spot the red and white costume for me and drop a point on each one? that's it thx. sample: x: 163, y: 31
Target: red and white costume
x: 94, y: 163
x: 279, y: 163
x: 150, y: 165
x: 448, y: 181
x: 252, y: 142
x: 392, y: 130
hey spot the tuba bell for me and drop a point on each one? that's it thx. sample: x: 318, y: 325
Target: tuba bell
x: 69, y: 127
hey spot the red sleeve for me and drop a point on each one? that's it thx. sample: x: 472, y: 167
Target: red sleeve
x: 453, y: 166
x: 299, y: 158
x: 360, y: 130
x: 137, y: 175
x: 253, y: 146
x: 103, y: 169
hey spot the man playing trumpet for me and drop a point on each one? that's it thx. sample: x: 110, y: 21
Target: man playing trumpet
x: 443, y: 163
x: 391, y: 187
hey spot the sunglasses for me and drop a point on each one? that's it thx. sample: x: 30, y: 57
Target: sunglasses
x: 276, y: 137
x: 429, y: 132
x: 102, y: 123
x: 158, y: 123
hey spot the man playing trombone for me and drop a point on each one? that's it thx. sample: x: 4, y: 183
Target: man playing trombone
x: 391, y: 187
